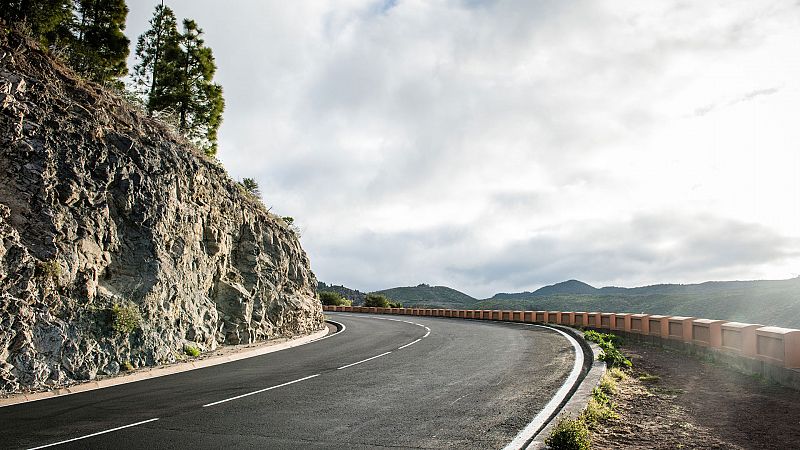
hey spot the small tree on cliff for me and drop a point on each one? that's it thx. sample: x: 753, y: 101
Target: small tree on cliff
x: 158, y: 52
x: 100, y: 49
x: 48, y: 20
x: 198, y: 103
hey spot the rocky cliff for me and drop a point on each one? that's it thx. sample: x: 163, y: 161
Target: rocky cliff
x: 119, y: 243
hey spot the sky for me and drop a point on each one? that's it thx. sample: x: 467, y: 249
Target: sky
x: 499, y: 146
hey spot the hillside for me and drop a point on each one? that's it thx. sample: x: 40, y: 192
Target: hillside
x: 120, y: 243
x: 425, y: 295
x: 768, y: 302
x: 354, y: 295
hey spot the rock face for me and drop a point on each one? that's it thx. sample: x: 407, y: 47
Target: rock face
x: 119, y: 244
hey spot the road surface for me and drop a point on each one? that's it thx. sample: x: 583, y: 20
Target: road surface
x: 410, y: 382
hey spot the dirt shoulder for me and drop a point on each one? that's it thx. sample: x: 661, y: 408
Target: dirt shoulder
x: 676, y: 401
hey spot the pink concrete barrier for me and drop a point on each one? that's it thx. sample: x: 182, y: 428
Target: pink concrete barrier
x: 567, y: 318
x: 593, y: 319
x: 779, y: 346
x: 640, y: 323
x: 622, y: 322
x: 541, y: 316
x: 707, y: 332
x: 518, y: 316
x: 658, y: 325
x: 554, y: 317
x: 505, y: 315
x: 580, y: 319
x: 496, y: 315
x: 680, y: 328
x: 607, y: 321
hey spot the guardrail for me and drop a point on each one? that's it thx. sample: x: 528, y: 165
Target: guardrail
x: 774, y: 346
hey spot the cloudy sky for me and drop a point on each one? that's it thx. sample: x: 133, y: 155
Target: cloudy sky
x: 498, y: 146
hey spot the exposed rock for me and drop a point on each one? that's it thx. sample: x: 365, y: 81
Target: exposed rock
x: 102, y: 206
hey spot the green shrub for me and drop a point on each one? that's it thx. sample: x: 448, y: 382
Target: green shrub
x: 126, y: 366
x: 48, y: 269
x: 376, y: 300
x: 608, y: 344
x: 395, y: 305
x: 191, y: 350
x: 333, y: 299
x: 124, y: 319
x: 569, y: 434
x: 597, y: 412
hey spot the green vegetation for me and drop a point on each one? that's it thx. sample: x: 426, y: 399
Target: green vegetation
x: 333, y: 299
x: 124, y: 319
x: 251, y: 187
x: 648, y: 378
x: 430, y: 296
x: 126, y: 366
x: 376, y: 300
x: 48, y: 270
x: 174, y: 74
x: 569, y: 434
x: 191, y: 350
x: 608, y: 344
x: 98, y: 47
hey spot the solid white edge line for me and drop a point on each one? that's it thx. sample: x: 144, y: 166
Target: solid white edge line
x: 94, y: 434
x: 261, y: 390
x: 426, y: 334
x: 331, y: 335
x: 363, y: 360
x: 536, y: 424
x: 409, y: 344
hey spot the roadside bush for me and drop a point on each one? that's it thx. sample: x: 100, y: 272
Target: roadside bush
x: 376, y: 300
x: 191, y: 350
x: 333, y: 299
x: 124, y: 318
x: 48, y: 269
x: 569, y: 434
x: 608, y: 344
x: 395, y: 305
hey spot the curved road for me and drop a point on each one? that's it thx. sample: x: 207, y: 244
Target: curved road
x: 460, y: 383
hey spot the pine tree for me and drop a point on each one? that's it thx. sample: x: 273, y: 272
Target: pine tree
x: 48, y: 20
x: 158, y: 53
x: 199, y: 102
x: 100, y: 49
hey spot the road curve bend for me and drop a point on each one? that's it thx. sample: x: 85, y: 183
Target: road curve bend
x: 410, y: 382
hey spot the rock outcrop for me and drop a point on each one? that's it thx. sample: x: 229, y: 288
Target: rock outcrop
x: 119, y: 243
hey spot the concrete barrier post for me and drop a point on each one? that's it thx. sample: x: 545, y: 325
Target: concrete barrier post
x: 658, y: 325
x: 640, y: 323
x: 540, y: 316
x: 529, y: 316
x: 554, y: 317
x: 740, y: 337
x: 680, y: 328
x: 567, y: 318
x: 707, y: 332
x: 593, y: 319
x: 607, y: 321
x: 779, y: 346
x: 580, y: 319
x: 622, y: 322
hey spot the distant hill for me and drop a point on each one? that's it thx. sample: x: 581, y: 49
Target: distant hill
x: 426, y: 295
x: 770, y: 302
x: 354, y: 295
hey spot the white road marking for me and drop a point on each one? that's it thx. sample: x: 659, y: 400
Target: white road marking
x: 334, y: 334
x: 536, y: 424
x: 427, y: 334
x: 94, y: 434
x: 261, y: 390
x: 363, y: 360
x: 409, y: 344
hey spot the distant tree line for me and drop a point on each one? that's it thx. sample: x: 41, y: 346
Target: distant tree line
x: 174, y: 72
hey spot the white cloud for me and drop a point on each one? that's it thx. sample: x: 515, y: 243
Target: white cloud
x: 421, y: 141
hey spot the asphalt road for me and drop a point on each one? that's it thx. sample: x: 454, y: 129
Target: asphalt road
x: 461, y: 384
